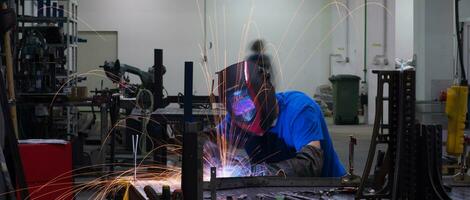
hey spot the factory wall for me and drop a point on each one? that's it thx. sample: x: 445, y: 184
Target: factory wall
x: 174, y: 26
x: 380, y: 43
x: 404, y: 29
x: 299, y: 51
x: 297, y: 33
x: 434, y: 47
x: 464, y: 10
x: 301, y: 36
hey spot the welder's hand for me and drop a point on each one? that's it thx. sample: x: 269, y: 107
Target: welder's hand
x: 307, y: 163
x: 263, y: 169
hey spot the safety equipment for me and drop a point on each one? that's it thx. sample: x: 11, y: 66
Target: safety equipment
x: 308, y: 162
x: 249, y: 97
x: 456, y: 110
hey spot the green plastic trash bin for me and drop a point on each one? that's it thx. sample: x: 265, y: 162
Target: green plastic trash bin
x: 345, y: 98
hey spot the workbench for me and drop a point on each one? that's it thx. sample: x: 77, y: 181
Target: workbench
x: 313, y: 187
x: 172, y: 115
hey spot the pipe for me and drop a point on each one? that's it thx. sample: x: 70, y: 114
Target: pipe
x: 364, y: 81
x: 205, y: 32
x: 330, y: 63
x: 346, y: 60
x: 7, y: 47
x: 385, y: 52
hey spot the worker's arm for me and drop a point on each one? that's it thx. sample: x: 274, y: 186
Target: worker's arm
x: 307, y: 132
x: 308, y: 162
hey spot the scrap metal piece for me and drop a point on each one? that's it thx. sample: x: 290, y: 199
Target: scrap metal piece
x: 462, y: 176
x: 242, y: 197
x: 350, y: 177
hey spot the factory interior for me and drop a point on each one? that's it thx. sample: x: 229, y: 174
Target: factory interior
x: 225, y: 99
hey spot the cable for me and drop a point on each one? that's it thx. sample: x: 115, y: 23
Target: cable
x: 139, y: 96
x: 459, y: 44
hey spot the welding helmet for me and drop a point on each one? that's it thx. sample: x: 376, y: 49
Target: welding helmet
x: 248, y: 96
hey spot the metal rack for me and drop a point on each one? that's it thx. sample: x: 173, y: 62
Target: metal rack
x: 61, y: 15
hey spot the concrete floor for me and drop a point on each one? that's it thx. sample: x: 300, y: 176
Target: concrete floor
x: 340, y: 137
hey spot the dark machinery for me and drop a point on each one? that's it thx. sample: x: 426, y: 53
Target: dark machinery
x: 116, y: 71
x: 41, y: 61
x: 410, y: 168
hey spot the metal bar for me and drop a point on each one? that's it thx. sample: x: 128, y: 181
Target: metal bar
x: 191, y: 183
x: 192, y: 150
x: 12, y: 154
x: 103, y: 121
x: 196, y: 99
x: 158, y: 79
x: 213, y: 184
x: 276, y: 181
x: 114, y: 110
x: 375, y: 133
x: 188, y: 91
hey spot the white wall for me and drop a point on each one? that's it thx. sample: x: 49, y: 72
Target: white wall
x: 433, y: 45
x: 404, y: 29
x: 174, y: 26
x: 300, y: 47
x: 379, y: 46
x: 464, y: 10
x: 177, y: 27
x: 297, y: 33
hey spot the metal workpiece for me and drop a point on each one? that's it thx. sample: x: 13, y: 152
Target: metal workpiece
x: 462, y: 176
x: 350, y: 177
x: 429, y: 183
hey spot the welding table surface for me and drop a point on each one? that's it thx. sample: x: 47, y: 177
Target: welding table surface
x: 251, y: 186
x: 457, y: 193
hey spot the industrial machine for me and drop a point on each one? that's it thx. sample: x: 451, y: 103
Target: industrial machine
x: 45, y: 66
x: 116, y: 71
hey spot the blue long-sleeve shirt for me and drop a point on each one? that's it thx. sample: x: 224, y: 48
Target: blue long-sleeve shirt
x: 300, y: 121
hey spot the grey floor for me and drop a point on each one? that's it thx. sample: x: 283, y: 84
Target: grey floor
x: 340, y: 137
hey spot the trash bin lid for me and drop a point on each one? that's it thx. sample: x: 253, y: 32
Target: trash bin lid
x: 343, y: 77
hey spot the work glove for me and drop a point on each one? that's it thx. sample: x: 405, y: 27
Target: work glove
x: 307, y: 163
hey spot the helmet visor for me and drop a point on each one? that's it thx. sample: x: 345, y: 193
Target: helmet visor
x: 243, y: 108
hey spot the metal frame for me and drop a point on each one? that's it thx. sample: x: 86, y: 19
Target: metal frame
x: 274, y: 181
x: 66, y: 16
x: 394, y: 179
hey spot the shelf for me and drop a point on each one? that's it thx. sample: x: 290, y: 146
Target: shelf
x: 42, y: 19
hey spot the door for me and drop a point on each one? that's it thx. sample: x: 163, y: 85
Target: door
x: 101, y: 46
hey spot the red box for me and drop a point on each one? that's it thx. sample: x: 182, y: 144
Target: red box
x: 48, y: 170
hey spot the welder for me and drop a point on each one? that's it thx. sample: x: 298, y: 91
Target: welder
x: 284, y: 131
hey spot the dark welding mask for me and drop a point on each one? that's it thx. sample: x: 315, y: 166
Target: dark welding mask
x: 248, y: 96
